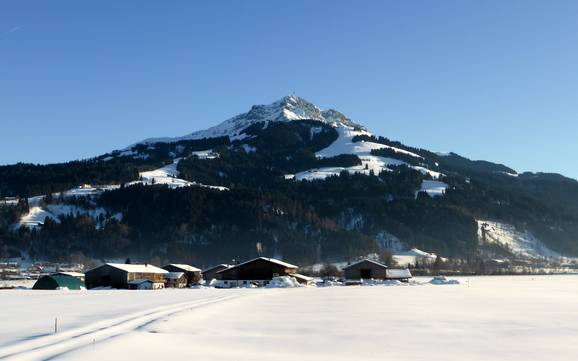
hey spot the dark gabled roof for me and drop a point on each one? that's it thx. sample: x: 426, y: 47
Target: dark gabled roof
x: 365, y: 260
x: 271, y: 260
x: 58, y: 281
x: 222, y: 265
x: 133, y: 268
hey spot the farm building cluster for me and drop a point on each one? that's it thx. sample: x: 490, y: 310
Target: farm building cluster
x: 257, y: 272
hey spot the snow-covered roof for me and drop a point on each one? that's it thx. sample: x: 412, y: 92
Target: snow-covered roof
x: 398, y: 273
x: 416, y: 253
x: 140, y: 268
x: 71, y: 274
x: 272, y: 260
x: 174, y: 275
x: 365, y: 260
x: 303, y: 277
x: 184, y: 267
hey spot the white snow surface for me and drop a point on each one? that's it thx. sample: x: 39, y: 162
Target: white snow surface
x: 518, y: 318
x: 37, y: 215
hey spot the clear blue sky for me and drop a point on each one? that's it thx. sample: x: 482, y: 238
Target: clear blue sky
x: 495, y: 80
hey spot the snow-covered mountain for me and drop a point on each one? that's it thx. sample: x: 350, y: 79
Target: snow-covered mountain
x: 284, y: 110
x: 293, y: 175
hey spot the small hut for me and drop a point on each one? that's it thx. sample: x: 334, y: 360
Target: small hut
x: 175, y: 280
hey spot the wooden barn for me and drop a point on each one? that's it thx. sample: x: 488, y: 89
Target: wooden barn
x: 365, y: 269
x: 210, y: 274
x: 192, y: 274
x: 259, y: 271
x: 176, y: 280
x: 119, y: 275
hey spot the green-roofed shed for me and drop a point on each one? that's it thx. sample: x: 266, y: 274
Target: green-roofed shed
x: 54, y: 282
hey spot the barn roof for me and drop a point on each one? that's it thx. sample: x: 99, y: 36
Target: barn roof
x: 365, y: 260
x: 174, y: 275
x: 184, y: 267
x: 222, y: 265
x: 71, y: 274
x: 271, y: 260
x: 398, y: 273
x: 303, y: 277
x: 140, y: 268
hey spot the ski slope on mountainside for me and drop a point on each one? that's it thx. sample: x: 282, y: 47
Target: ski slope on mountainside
x: 166, y: 175
x: 482, y: 318
x: 520, y: 243
x: 344, y: 144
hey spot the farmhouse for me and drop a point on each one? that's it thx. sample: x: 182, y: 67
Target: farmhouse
x: 118, y: 275
x: 365, y: 269
x: 175, y: 280
x: 259, y: 271
x: 58, y: 282
x: 210, y: 274
x: 192, y: 274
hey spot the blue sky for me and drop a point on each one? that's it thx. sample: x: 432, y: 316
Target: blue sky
x: 494, y: 80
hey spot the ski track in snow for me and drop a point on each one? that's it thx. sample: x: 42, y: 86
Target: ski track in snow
x: 50, y: 347
x: 530, y: 318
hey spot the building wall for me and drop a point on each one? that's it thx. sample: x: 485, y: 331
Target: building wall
x: 260, y: 269
x: 106, y: 276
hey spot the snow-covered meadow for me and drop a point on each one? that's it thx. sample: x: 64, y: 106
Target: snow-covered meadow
x: 482, y: 318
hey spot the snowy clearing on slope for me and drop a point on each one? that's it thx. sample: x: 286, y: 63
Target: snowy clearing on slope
x: 344, y: 144
x: 168, y: 175
x: 206, y: 154
x: 432, y: 188
x: 37, y: 215
x: 482, y: 318
x: 523, y: 244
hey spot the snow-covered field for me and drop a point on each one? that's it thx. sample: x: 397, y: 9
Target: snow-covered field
x: 483, y: 318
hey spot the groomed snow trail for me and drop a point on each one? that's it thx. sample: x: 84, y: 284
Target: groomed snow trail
x: 49, y: 347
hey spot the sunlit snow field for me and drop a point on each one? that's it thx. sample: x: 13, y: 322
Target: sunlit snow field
x: 483, y: 318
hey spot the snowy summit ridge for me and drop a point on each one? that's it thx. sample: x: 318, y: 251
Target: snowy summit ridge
x: 286, y: 109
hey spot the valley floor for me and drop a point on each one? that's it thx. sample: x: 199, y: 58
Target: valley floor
x: 483, y: 318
